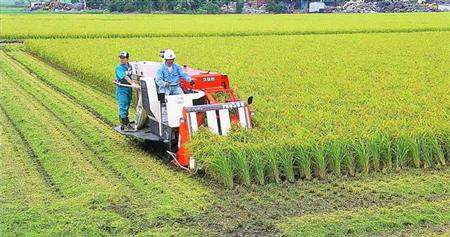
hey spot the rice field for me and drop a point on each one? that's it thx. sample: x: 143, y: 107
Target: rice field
x: 370, y: 105
x: 144, y: 25
x: 351, y: 131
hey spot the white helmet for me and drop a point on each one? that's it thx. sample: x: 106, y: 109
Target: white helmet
x: 169, y: 54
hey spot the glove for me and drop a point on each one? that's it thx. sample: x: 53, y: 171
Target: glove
x: 135, y: 85
x: 192, y: 82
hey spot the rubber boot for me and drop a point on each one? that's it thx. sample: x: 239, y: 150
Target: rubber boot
x: 126, y: 125
x: 124, y: 122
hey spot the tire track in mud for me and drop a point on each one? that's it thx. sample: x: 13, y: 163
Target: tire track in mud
x: 138, y: 219
x: 48, y: 180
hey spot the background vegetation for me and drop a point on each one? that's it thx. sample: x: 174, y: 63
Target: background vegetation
x: 136, y: 25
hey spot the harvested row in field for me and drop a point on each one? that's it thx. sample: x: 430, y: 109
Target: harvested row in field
x: 82, y: 185
x: 164, y: 192
x: 377, y: 221
x: 363, y: 106
x: 22, y: 185
x: 111, y: 26
x: 264, y: 206
x: 72, y: 170
x: 100, y: 105
x: 19, y: 176
x: 29, y: 203
x: 108, y: 167
x: 31, y: 154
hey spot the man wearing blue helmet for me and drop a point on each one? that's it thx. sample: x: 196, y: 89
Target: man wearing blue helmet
x: 124, y: 93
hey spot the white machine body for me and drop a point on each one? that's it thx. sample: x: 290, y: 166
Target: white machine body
x: 172, y: 113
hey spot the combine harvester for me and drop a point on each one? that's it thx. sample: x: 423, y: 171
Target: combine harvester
x: 172, y: 119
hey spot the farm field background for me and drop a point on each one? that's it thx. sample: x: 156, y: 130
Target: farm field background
x: 81, y: 177
x: 350, y: 96
x: 139, y: 25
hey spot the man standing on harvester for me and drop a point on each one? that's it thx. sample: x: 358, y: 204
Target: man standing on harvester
x: 124, y: 90
x: 169, y: 74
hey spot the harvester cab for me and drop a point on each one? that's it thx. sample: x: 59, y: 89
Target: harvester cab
x: 173, y: 119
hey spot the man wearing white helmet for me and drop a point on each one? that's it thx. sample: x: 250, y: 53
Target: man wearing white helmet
x: 169, y: 74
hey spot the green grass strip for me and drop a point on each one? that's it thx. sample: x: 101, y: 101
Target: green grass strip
x: 20, y: 182
x: 60, y: 152
x: 99, y: 103
x: 369, y: 221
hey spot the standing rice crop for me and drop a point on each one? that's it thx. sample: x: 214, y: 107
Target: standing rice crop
x: 151, y: 25
x: 402, y: 148
x: 241, y: 166
x: 287, y: 160
x: 335, y: 156
x: 303, y: 161
x: 319, y: 161
x: 415, y: 152
x: 362, y: 156
x: 379, y: 110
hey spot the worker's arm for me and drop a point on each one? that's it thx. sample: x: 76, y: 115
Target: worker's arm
x: 121, y: 74
x: 183, y: 74
x: 128, y: 79
x: 159, y: 78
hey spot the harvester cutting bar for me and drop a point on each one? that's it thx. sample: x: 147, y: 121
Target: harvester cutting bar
x: 208, y: 107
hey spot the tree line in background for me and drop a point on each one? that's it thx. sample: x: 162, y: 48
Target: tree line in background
x: 172, y: 6
x: 183, y: 6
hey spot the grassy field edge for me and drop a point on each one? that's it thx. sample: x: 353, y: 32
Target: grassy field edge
x: 368, y: 222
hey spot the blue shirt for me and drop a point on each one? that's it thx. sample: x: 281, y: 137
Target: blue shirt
x: 173, y: 78
x: 122, y: 71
